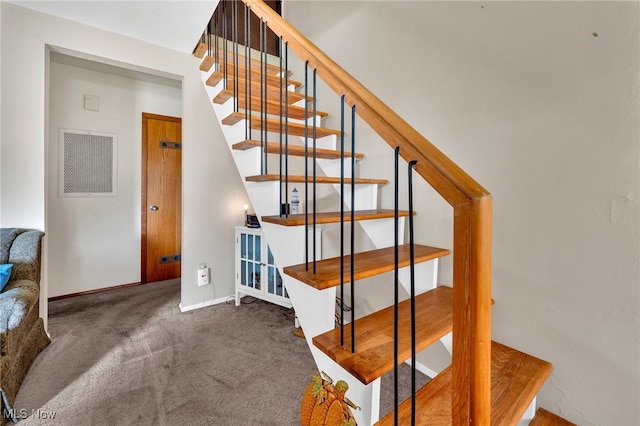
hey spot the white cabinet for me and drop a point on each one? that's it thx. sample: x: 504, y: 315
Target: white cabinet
x: 256, y: 272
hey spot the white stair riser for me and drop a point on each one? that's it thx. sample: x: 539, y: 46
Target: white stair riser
x: 381, y: 231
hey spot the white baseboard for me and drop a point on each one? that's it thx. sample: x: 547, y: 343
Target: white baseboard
x: 202, y: 304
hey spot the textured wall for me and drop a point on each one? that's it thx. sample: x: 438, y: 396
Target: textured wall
x: 544, y: 114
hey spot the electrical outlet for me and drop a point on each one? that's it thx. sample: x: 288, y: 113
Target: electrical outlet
x: 203, y: 277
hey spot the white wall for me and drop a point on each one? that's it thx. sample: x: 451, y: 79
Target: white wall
x: 545, y: 115
x: 97, y: 239
x: 213, y: 194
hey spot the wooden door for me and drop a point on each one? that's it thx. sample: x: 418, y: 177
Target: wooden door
x: 161, y: 197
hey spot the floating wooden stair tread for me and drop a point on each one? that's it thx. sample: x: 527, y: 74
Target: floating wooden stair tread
x: 547, y: 418
x: 207, y: 62
x: 319, y: 179
x: 272, y: 70
x: 273, y: 108
x: 295, y: 150
x: 367, y: 264
x: 374, y: 335
x: 331, y: 217
x: 516, y: 378
x: 273, y: 125
x: 202, y: 49
x: 227, y: 94
x: 272, y: 80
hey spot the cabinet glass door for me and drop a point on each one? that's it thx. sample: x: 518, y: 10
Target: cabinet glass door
x: 275, y: 285
x: 250, y: 257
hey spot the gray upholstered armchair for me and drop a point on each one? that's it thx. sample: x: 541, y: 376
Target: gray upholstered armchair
x: 22, y: 334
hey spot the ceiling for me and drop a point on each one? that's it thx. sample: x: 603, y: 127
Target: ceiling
x: 173, y: 24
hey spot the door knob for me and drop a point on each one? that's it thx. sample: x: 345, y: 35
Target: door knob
x: 153, y: 208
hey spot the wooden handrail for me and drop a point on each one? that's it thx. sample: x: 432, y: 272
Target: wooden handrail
x: 472, y: 206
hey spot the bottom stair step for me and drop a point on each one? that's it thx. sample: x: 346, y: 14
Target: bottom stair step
x: 374, y: 335
x: 516, y: 378
x: 547, y: 418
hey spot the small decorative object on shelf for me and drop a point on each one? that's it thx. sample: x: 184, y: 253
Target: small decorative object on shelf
x: 252, y: 221
x: 295, y: 202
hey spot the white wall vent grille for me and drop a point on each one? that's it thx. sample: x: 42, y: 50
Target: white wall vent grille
x: 87, y: 164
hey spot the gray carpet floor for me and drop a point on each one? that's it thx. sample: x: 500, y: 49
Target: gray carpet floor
x: 130, y: 357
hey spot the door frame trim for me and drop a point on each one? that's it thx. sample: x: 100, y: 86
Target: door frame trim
x: 143, y: 207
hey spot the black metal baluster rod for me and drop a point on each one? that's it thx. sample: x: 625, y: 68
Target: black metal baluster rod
x: 396, y: 298
x: 342, y: 100
x: 353, y: 207
x: 413, y: 296
x: 262, y: 123
x: 264, y: 119
x: 281, y: 128
x: 216, y: 42
x: 207, y: 34
x: 286, y: 126
x: 247, y: 75
x: 315, y: 137
x: 306, y: 166
x: 225, y: 37
x: 248, y: 99
x: 234, y: 32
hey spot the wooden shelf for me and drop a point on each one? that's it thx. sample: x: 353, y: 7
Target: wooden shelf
x: 332, y: 217
x: 374, y: 335
x: 367, y: 264
x: 516, y: 378
x: 294, y: 150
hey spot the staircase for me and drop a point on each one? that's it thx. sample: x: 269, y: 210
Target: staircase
x: 269, y: 120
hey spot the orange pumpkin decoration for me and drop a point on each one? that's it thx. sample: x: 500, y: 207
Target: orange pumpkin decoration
x: 324, y: 404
